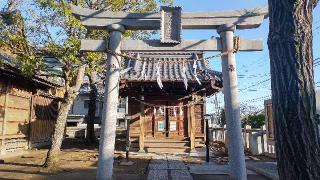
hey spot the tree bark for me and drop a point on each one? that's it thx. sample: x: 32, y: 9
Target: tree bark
x: 57, y: 138
x: 90, y: 136
x: 293, y: 96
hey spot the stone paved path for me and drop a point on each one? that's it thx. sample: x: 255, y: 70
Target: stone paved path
x: 167, y: 168
x: 268, y: 169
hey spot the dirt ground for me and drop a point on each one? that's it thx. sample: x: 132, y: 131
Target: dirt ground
x: 78, y: 161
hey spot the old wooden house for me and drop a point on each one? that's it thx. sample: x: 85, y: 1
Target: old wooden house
x: 167, y: 116
x: 28, y: 108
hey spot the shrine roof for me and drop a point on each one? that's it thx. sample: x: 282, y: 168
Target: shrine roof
x: 170, y: 67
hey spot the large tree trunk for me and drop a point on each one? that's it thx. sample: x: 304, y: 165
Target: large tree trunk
x: 90, y: 136
x: 293, y: 97
x: 57, y: 138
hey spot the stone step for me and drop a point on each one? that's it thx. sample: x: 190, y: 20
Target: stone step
x: 168, y: 150
x: 162, y: 144
x: 167, y: 145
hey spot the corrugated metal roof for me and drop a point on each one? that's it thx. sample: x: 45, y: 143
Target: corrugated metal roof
x: 169, y: 71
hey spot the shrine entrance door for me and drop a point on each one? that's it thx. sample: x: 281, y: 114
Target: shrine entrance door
x: 169, y: 122
x: 176, y: 120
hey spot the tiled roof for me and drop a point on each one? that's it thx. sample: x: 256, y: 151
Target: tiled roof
x: 169, y: 72
x: 8, y: 61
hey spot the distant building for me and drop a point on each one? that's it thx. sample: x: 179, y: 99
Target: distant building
x: 76, y: 122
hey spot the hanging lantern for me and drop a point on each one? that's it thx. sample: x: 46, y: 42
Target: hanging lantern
x: 174, y: 111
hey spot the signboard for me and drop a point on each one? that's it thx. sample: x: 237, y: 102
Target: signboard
x: 160, y: 125
x: 269, y: 120
x: 170, y: 25
x: 173, y: 126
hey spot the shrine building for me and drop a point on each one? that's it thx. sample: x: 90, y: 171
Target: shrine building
x: 166, y: 100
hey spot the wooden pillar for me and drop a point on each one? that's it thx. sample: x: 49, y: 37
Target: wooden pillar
x: 192, y: 127
x: 142, y: 126
x: 30, y: 121
x: 4, y: 122
x: 232, y: 108
x: 111, y: 100
x: 126, y: 114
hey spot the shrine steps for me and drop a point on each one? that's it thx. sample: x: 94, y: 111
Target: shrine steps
x: 163, y: 145
x: 199, y: 142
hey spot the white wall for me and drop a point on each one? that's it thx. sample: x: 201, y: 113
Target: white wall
x: 79, y: 109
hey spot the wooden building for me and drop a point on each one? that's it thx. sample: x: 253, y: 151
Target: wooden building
x: 168, y: 119
x: 28, y: 108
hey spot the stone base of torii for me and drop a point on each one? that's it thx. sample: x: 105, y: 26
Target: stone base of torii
x: 116, y: 25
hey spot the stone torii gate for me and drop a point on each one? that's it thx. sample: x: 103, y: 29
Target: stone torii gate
x: 224, y: 22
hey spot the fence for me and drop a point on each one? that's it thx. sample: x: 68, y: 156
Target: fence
x: 254, y: 140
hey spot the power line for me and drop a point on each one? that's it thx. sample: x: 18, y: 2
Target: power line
x: 255, y: 84
x: 257, y: 99
x: 259, y: 62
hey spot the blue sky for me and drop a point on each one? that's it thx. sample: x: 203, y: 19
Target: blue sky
x: 252, y: 67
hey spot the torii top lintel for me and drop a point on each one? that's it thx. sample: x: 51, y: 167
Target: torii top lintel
x: 243, y: 19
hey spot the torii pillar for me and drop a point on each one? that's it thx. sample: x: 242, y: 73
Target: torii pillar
x: 232, y: 108
x: 110, y: 101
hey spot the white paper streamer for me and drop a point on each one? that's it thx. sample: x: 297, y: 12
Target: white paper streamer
x: 143, y: 71
x: 159, y: 77
x: 161, y: 111
x: 154, y: 111
x: 184, y: 76
x: 174, y: 112
x: 195, y: 66
x: 181, y: 111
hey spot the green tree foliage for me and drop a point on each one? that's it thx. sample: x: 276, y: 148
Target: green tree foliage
x: 256, y: 120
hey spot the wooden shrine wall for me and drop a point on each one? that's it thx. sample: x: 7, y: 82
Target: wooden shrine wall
x: 134, y: 112
x: 15, y: 113
x: 25, y: 119
x: 151, y: 128
x: 199, y: 114
x: 44, y: 115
